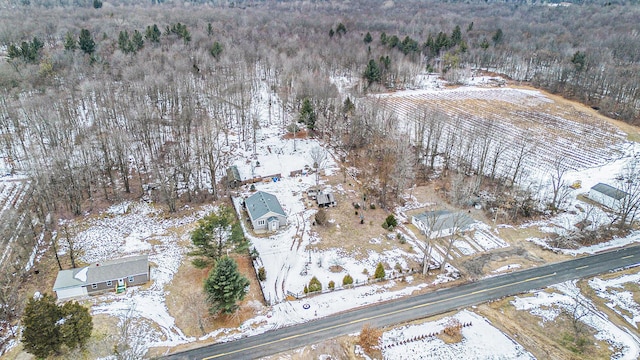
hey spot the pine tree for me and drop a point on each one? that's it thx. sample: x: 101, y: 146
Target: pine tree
x: 379, y: 274
x: 211, y: 235
x: 87, y: 45
x: 341, y: 29
x: 124, y: 42
x: 153, y: 33
x: 136, y: 41
x: 347, y: 280
x: 331, y: 33
x: 307, y: 114
x: 216, y: 50
x: 41, y: 335
x: 372, y: 73
x: 225, y: 286
x: 497, y: 37
x: 367, y: 38
x: 456, y: 36
x: 77, y: 326
x: 70, y: 42
x: 209, y: 29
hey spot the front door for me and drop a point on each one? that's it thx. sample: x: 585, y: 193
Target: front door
x: 120, y: 282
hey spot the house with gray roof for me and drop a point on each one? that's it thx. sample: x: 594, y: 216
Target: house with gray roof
x: 441, y: 223
x: 607, y: 195
x: 114, y: 275
x: 265, y: 211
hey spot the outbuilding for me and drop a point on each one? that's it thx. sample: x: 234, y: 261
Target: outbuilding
x: 440, y: 223
x: 607, y: 195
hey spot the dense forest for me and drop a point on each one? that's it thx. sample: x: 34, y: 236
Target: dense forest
x: 102, y: 101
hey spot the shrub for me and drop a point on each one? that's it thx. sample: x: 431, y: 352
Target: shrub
x: 306, y: 289
x: 356, y: 205
x: 254, y: 254
x: 372, y: 206
x: 332, y: 285
x: 347, y: 280
x: 321, y: 217
x: 314, y: 285
x: 391, y: 221
x: 200, y: 263
x: 252, y: 187
x: 262, y: 274
x: 398, y: 267
x: 365, y: 271
x: 379, y: 274
x: 369, y: 338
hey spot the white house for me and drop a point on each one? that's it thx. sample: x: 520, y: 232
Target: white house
x: 607, y: 195
x: 265, y: 211
x: 112, y: 275
x: 441, y: 223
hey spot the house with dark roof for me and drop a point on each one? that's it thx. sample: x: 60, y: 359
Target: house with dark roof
x: 265, y: 211
x: 113, y: 275
x: 607, y: 195
x: 440, y: 223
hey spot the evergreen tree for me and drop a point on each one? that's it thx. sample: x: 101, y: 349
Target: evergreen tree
x: 97, y: 4
x: 225, y: 286
x: 153, y: 33
x: 216, y: 50
x: 124, y: 43
x: 331, y: 33
x: 41, y: 335
x: 393, y: 41
x: 209, y: 29
x: 497, y: 37
x: 315, y: 285
x: 211, y: 235
x: 383, y: 38
x: 76, y: 326
x: 137, y: 42
x: 70, y: 43
x: 87, y: 45
x: 347, y: 280
x: 372, y: 73
x: 470, y: 27
x: 379, y: 274
x: 341, y: 29
x: 579, y: 60
x: 367, y: 38
x: 27, y: 51
x: 456, y: 36
x: 484, y: 44
x: 307, y: 114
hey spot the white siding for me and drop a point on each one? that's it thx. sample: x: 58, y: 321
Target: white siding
x: 71, y: 292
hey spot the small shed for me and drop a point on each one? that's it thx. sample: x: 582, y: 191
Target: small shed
x: 325, y: 199
x: 233, y: 177
x: 265, y: 211
x: 102, y: 276
x: 440, y: 223
x: 607, y: 195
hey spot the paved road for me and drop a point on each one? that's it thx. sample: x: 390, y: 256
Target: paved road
x: 415, y: 307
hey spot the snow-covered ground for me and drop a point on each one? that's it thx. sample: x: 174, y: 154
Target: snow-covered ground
x: 549, y: 305
x: 480, y: 340
x: 618, y: 298
x: 134, y: 228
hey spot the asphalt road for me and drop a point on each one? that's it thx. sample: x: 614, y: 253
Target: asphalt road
x: 415, y: 307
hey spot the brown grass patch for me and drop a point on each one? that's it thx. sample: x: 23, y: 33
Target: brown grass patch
x: 452, y: 333
x: 544, y: 340
x: 186, y: 301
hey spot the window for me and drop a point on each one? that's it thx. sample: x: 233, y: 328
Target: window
x: 109, y: 283
x: 130, y: 278
x: 94, y: 286
x: 260, y: 222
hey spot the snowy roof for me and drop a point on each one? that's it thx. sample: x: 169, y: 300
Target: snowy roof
x: 445, y: 219
x: 610, y: 191
x: 325, y: 198
x: 102, y: 271
x: 261, y: 203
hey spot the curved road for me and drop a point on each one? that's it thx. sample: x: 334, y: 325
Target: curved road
x: 414, y: 307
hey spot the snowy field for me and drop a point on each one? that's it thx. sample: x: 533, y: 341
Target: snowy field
x: 548, y: 306
x: 137, y: 228
x: 480, y: 340
x: 619, y: 293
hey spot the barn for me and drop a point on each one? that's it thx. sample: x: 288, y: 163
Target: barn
x: 607, y: 195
